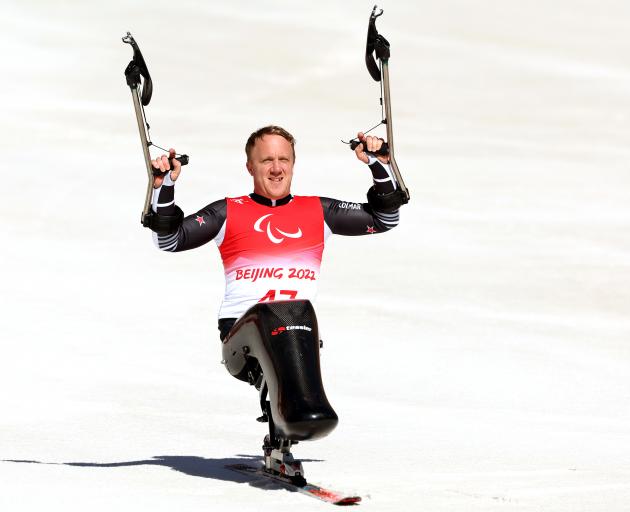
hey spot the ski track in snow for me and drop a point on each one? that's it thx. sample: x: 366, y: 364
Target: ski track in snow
x: 477, y: 355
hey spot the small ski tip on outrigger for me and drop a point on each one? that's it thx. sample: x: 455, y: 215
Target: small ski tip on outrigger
x: 377, y: 48
x: 135, y: 72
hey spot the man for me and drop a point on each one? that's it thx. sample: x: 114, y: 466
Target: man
x: 277, y: 225
x: 271, y: 244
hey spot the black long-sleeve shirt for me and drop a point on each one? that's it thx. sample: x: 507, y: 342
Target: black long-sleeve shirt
x: 341, y: 217
x: 272, y: 249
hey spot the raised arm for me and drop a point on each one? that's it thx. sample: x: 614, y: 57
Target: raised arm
x: 172, y: 231
x: 380, y: 213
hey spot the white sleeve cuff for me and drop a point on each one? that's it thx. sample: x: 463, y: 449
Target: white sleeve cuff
x: 168, y: 182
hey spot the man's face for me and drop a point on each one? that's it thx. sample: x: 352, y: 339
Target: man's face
x: 271, y: 165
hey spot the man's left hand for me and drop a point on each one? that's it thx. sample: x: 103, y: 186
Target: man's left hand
x: 369, y: 144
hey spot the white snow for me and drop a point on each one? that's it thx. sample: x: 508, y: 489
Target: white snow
x: 478, y: 356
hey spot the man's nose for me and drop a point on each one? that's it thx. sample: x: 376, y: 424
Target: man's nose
x: 275, y: 166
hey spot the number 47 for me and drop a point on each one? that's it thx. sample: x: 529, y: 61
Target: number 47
x: 271, y: 295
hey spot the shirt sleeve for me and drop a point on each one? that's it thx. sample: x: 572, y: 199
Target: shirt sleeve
x: 196, y: 229
x: 352, y: 219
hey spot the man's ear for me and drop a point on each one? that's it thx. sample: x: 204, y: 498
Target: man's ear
x: 249, y: 168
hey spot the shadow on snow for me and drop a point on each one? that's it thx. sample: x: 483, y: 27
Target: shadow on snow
x: 187, y: 464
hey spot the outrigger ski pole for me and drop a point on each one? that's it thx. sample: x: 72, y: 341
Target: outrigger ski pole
x: 379, y: 46
x: 135, y: 71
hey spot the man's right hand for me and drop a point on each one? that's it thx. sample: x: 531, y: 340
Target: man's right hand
x: 163, y: 164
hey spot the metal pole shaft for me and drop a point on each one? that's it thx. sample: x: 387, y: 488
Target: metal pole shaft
x: 145, y: 150
x: 390, y: 127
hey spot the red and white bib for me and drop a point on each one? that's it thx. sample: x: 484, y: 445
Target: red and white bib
x: 270, y: 253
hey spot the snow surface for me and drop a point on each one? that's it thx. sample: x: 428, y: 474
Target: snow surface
x: 478, y: 355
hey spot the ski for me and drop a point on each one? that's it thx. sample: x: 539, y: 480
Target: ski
x: 314, y: 491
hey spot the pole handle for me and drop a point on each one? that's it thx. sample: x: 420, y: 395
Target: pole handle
x: 182, y: 159
x: 383, y: 151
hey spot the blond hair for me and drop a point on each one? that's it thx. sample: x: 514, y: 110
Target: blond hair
x: 268, y: 130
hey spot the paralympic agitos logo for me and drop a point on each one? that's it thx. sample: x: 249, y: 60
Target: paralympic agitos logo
x: 269, y: 229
